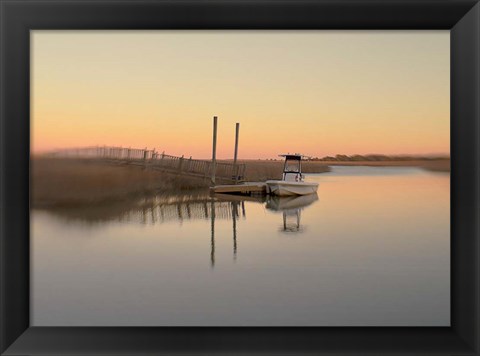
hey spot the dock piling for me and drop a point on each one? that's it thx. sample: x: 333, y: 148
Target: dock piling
x: 214, y: 150
x: 235, y: 168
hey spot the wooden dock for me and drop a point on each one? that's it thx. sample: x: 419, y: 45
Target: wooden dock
x: 246, y: 188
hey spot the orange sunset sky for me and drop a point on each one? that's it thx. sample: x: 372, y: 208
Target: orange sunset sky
x: 315, y: 92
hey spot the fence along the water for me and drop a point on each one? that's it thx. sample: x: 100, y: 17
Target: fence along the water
x: 153, y: 159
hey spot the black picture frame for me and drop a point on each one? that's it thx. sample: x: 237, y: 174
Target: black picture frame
x: 18, y: 17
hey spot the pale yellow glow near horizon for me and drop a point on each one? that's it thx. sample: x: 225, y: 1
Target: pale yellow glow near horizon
x: 315, y: 92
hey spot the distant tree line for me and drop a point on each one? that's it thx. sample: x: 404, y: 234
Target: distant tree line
x: 377, y: 157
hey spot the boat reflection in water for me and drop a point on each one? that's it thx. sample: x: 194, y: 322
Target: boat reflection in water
x: 291, y: 208
x: 184, y: 208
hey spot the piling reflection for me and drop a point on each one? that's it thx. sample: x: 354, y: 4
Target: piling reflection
x: 196, y: 206
x: 212, y: 229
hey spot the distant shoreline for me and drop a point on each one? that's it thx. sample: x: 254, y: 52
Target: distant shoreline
x: 317, y: 166
x: 440, y: 165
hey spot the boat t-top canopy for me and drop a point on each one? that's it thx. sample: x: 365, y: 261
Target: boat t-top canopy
x: 292, y: 169
x: 293, y: 156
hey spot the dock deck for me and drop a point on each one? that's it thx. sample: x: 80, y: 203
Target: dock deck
x: 247, y: 188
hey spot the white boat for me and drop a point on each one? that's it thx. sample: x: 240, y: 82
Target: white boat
x: 292, y: 182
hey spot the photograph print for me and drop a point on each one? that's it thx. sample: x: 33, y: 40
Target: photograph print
x: 240, y: 178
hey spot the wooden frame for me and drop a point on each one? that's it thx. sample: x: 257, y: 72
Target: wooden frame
x: 18, y: 17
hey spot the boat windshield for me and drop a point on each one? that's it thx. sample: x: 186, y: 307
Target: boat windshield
x: 292, y: 165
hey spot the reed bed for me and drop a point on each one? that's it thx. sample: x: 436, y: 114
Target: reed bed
x: 59, y: 182
x: 261, y: 170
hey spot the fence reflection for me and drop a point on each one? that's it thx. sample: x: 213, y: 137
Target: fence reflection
x: 184, y: 208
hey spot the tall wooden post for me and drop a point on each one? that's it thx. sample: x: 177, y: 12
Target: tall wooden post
x: 235, y: 169
x: 214, y: 150
x: 237, y: 131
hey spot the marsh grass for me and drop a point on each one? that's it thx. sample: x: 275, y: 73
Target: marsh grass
x: 261, y: 170
x: 57, y: 182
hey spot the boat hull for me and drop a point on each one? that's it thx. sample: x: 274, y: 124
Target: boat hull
x: 283, y: 188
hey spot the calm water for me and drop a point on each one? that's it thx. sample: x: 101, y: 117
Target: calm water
x: 373, y: 248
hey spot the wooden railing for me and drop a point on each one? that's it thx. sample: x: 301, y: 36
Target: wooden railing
x: 153, y: 159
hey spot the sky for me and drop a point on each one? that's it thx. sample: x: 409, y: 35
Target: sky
x: 314, y: 92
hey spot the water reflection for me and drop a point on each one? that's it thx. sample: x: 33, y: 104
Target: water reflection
x: 234, y: 226
x: 291, y: 208
x: 367, y: 241
x: 212, y: 229
x: 188, y: 207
